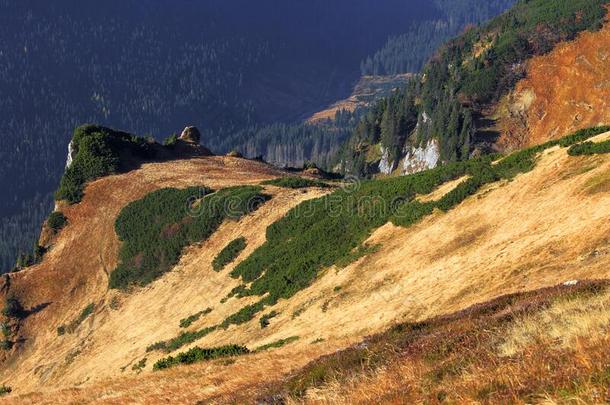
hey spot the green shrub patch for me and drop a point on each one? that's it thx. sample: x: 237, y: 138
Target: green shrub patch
x: 56, y: 221
x: 72, y: 326
x: 197, y: 354
x: 295, y: 182
x: 186, y: 322
x: 155, y: 229
x: 229, y: 253
x: 589, y: 148
x: 98, y: 152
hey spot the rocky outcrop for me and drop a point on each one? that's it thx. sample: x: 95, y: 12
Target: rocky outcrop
x: 191, y: 134
x: 385, y: 165
x: 421, y: 158
x: 71, y: 154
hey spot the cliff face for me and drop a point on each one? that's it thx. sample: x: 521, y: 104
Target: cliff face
x: 566, y: 90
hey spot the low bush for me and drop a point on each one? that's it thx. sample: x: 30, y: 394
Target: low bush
x: 183, y: 339
x: 589, y: 148
x: 186, y: 322
x: 155, y: 229
x: 25, y: 260
x: 56, y: 221
x: 6, y: 344
x: 197, y: 354
x: 72, y: 326
x: 171, y: 140
x: 5, y: 329
x: 229, y: 253
x: 139, y: 366
x: 5, y: 390
x: 276, y: 344
x: 295, y: 182
x: 264, y: 321
x: 13, y: 308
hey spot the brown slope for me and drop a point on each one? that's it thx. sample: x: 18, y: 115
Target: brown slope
x: 75, y: 273
x: 565, y: 90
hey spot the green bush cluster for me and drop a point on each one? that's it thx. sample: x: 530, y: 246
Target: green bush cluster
x: 171, y: 140
x: 56, y: 220
x: 295, y: 182
x: 276, y: 344
x: 25, y: 260
x: 589, y: 148
x: 98, y: 152
x: 229, y: 253
x: 186, y: 322
x: 155, y: 229
x: 71, y: 327
x: 264, y: 321
x: 5, y: 390
x: 181, y: 340
x: 13, y: 308
x: 197, y: 354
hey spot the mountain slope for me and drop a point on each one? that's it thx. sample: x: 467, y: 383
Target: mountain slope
x: 562, y: 91
x: 450, y: 112
x: 412, y: 274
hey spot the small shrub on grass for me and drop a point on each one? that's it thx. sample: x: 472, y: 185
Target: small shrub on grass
x: 264, y: 321
x: 6, y: 330
x: 183, y: 339
x: 229, y: 253
x: 72, y: 326
x: 13, y: 308
x: 5, y: 390
x: 25, y: 260
x: 186, y: 322
x: 6, y: 344
x: 276, y: 344
x: 295, y: 182
x: 56, y: 221
x: 197, y: 354
x: 139, y: 366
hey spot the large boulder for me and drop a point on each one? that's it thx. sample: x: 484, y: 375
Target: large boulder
x: 191, y: 134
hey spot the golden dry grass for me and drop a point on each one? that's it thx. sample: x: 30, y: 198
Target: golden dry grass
x: 538, y: 230
x: 562, y: 324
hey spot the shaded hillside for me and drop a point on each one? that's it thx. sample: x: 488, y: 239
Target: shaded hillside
x: 434, y: 262
x: 155, y: 65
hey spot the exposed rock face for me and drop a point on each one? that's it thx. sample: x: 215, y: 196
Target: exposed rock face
x: 421, y: 158
x: 565, y: 90
x: 71, y: 154
x: 385, y: 166
x: 191, y: 134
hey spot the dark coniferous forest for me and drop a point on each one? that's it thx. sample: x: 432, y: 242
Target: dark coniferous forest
x: 231, y: 67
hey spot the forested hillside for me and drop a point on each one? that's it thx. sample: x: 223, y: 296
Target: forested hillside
x: 445, y: 108
x: 154, y: 66
x: 409, y: 51
x: 404, y: 53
